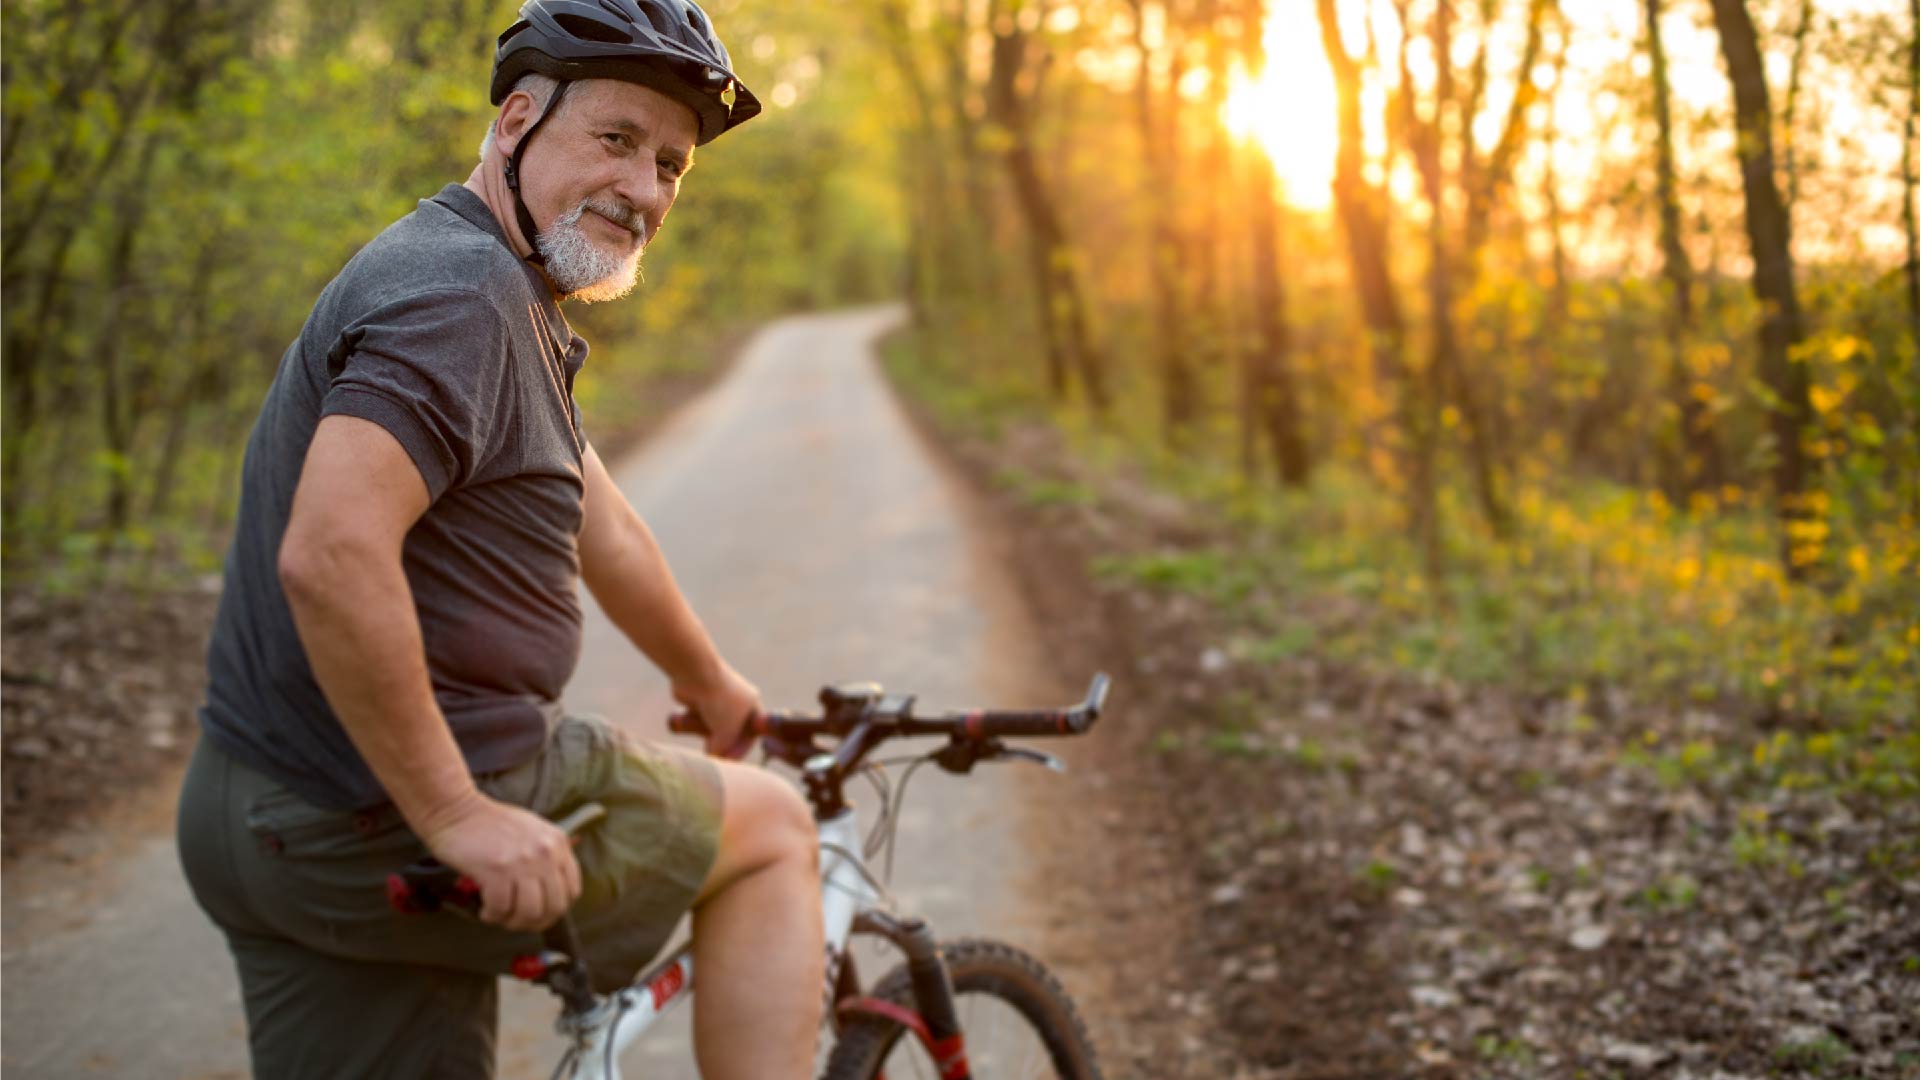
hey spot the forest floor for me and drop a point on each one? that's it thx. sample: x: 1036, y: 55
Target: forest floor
x: 1324, y: 872
x: 1283, y: 869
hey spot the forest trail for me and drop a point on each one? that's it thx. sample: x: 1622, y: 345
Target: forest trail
x: 818, y: 538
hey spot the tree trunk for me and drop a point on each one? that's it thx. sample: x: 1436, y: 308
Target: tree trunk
x: 1210, y: 318
x: 194, y: 387
x: 23, y: 372
x: 1695, y: 457
x: 1063, y: 308
x: 129, y: 105
x: 1485, y: 183
x: 1790, y: 161
x: 117, y: 418
x: 929, y: 274
x: 1278, y: 405
x: 1159, y: 150
x: 1785, y: 378
x: 1551, y: 195
x: 22, y: 363
x: 956, y: 36
x: 1908, y: 179
x: 1446, y: 375
x: 1362, y: 211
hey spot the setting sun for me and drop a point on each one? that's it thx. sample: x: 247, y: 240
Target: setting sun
x: 1289, y: 111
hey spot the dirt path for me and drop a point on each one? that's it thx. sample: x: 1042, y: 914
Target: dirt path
x: 820, y: 540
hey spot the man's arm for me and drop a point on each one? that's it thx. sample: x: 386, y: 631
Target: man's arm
x: 628, y: 575
x: 340, y: 565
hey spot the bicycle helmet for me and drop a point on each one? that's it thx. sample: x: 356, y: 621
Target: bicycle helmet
x: 665, y: 45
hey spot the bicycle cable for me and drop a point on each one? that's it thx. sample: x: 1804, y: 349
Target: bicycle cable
x: 880, y: 887
x: 876, y: 774
x: 613, y: 1027
x: 893, y: 820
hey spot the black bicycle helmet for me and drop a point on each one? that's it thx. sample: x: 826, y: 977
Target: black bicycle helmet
x: 665, y: 45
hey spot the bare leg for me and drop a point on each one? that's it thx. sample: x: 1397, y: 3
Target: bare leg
x: 758, y: 950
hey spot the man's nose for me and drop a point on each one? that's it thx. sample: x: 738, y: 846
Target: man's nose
x: 641, y: 189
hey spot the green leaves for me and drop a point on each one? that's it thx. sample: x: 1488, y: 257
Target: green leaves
x: 285, y: 134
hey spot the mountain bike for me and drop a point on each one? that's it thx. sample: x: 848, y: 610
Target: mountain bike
x: 956, y: 1010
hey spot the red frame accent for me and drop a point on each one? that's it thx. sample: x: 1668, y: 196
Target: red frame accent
x: 950, y: 1054
x: 671, y: 982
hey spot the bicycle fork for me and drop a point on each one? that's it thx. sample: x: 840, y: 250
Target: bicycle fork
x: 935, y: 1023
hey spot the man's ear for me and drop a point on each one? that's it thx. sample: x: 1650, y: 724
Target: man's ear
x: 517, y: 114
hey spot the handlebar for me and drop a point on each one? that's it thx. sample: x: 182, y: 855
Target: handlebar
x: 849, y: 705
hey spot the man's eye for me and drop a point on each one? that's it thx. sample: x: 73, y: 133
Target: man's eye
x: 672, y: 168
x: 617, y: 139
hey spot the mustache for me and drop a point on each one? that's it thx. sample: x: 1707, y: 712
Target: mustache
x: 618, y: 212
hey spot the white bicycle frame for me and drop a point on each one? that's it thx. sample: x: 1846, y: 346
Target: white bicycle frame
x: 603, y: 1034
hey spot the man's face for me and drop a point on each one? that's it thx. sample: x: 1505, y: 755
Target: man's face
x: 599, y: 179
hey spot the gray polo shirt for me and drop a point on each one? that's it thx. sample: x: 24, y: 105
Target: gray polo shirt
x: 443, y: 336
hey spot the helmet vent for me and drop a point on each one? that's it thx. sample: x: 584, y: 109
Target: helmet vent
x: 591, y: 29
x: 657, y: 19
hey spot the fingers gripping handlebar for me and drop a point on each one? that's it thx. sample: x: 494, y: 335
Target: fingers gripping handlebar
x: 427, y: 885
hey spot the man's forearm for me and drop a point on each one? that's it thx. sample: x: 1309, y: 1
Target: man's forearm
x: 629, y: 577
x: 356, y: 619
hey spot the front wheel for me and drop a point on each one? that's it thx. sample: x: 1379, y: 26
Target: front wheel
x: 1016, y: 1020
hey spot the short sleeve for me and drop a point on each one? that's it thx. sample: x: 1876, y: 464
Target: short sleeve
x: 431, y: 369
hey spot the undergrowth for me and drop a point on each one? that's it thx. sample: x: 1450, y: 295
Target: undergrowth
x: 1602, y: 594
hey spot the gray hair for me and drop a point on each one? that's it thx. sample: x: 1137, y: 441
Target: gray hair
x: 540, y: 87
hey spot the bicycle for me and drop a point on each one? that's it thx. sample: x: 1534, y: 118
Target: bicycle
x: 943, y: 995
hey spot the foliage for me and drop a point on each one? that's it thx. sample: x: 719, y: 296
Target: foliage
x: 183, y: 177
x: 1579, y: 546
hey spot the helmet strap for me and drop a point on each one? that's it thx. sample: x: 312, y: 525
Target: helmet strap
x: 522, y: 216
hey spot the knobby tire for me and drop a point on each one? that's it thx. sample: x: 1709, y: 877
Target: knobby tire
x: 978, y: 967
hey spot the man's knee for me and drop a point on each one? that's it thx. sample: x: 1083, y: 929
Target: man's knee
x: 771, y: 814
x: 764, y: 822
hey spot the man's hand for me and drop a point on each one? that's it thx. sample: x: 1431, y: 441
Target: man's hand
x: 723, y: 702
x: 522, y: 862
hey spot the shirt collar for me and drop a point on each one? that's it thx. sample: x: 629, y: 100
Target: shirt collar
x: 473, y: 209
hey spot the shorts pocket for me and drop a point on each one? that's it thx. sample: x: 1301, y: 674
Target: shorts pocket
x: 285, y: 824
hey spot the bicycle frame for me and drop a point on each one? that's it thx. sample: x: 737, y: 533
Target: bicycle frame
x: 603, y: 1034
x: 859, y: 716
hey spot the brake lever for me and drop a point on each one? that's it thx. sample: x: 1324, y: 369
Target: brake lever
x: 961, y: 755
x: 1038, y: 757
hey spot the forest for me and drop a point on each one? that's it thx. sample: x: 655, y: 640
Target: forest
x: 1484, y: 288
x: 1562, y: 347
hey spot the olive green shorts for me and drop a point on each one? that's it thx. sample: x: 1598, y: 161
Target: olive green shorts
x: 335, y: 983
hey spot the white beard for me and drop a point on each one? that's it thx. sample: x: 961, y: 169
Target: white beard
x: 580, y: 269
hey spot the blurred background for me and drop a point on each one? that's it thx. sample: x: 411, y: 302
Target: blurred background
x: 1480, y: 309
x: 1480, y: 435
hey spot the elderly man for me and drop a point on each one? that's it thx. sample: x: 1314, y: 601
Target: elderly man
x: 418, y: 506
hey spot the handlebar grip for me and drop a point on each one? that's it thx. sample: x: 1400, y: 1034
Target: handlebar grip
x: 427, y: 885
x: 1021, y: 725
x: 688, y: 722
